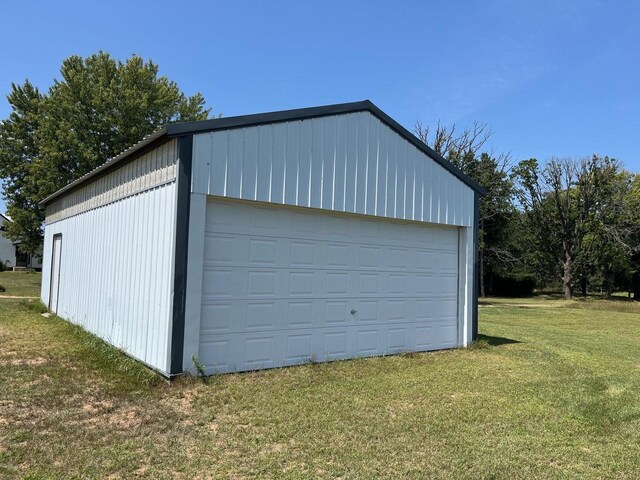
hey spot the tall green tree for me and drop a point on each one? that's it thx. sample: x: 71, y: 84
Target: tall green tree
x: 566, y: 202
x: 633, y: 211
x: 611, y: 239
x: 99, y: 107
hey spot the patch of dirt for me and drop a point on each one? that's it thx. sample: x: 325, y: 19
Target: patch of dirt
x: 18, y: 362
x: 14, y: 296
x: 126, y: 419
x: 182, y: 404
x: 96, y: 407
x: 142, y: 470
x: 28, y: 414
x: 121, y: 419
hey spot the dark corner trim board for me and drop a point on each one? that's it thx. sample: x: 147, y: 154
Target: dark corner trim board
x: 190, y: 128
x: 183, y: 189
x: 476, y: 251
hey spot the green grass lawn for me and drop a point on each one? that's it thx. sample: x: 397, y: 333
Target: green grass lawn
x: 552, y: 390
x: 21, y: 284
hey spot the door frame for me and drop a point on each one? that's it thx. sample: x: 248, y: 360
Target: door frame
x: 56, y: 237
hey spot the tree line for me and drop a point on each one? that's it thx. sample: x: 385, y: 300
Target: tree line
x: 571, y: 224
x: 98, y: 108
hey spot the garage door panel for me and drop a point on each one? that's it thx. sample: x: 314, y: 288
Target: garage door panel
x: 239, y: 315
x: 300, y: 313
x: 335, y: 345
x: 423, y: 338
x: 397, y: 339
x: 262, y: 251
x: 283, y: 287
x: 249, y: 351
x: 424, y: 309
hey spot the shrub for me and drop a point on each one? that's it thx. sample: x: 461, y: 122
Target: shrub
x: 35, y: 306
x: 2, y: 288
x: 513, y: 286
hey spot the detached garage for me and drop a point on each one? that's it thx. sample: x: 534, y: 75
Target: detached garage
x: 268, y: 240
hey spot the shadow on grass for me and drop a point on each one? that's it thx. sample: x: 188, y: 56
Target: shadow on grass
x: 496, y: 341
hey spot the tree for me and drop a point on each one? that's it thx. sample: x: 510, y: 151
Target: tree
x: 496, y: 212
x: 496, y: 207
x: 611, y: 240
x: 98, y: 108
x: 458, y: 148
x: 566, y: 201
x: 632, y: 202
x: 19, y: 150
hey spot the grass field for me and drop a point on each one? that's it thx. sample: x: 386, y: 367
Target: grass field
x: 21, y: 284
x: 551, y: 390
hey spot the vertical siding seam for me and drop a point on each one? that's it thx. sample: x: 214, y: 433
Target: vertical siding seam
x: 377, y: 137
x: 322, y: 143
x: 333, y: 181
x: 309, y: 200
x: 271, y: 155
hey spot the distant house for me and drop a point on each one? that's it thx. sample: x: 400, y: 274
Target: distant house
x: 10, y: 254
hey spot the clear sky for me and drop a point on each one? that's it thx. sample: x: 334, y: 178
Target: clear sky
x: 557, y: 78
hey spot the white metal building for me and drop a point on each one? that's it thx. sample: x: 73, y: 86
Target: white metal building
x: 10, y: 254
x: 268, y: 240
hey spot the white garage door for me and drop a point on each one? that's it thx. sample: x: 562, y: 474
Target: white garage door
x: 284, y: 286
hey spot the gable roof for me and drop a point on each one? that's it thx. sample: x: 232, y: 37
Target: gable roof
x: 189, y: 128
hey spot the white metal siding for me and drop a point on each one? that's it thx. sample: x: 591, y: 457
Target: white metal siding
x: 279, y: 285
x: 7, y: 249
x: 150, y: 170
x: 347, y: 163
x: 116, y: 268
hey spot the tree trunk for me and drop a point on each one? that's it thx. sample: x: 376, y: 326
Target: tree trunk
x: 610, y: 282
x: 636, y: 292
x: 583, y: 285
x: 567, y: 279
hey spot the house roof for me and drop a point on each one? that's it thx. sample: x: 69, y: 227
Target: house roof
x: 189, y: 128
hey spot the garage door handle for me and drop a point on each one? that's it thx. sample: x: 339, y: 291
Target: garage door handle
x: 353, y: 312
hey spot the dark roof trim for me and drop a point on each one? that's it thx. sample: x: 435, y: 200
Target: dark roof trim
x: 148, y: 142
x: 420, y: 145
x: 269, y: 117
x: 190, y: 128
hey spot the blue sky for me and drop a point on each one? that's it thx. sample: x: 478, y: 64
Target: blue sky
x: 555, y: 78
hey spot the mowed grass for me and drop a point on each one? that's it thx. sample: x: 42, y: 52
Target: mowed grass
x: 617, y: 303
x: 21, y: 284
x: 548, y: 392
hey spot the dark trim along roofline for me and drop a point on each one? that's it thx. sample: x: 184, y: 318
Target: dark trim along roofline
x: 189, y: 128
